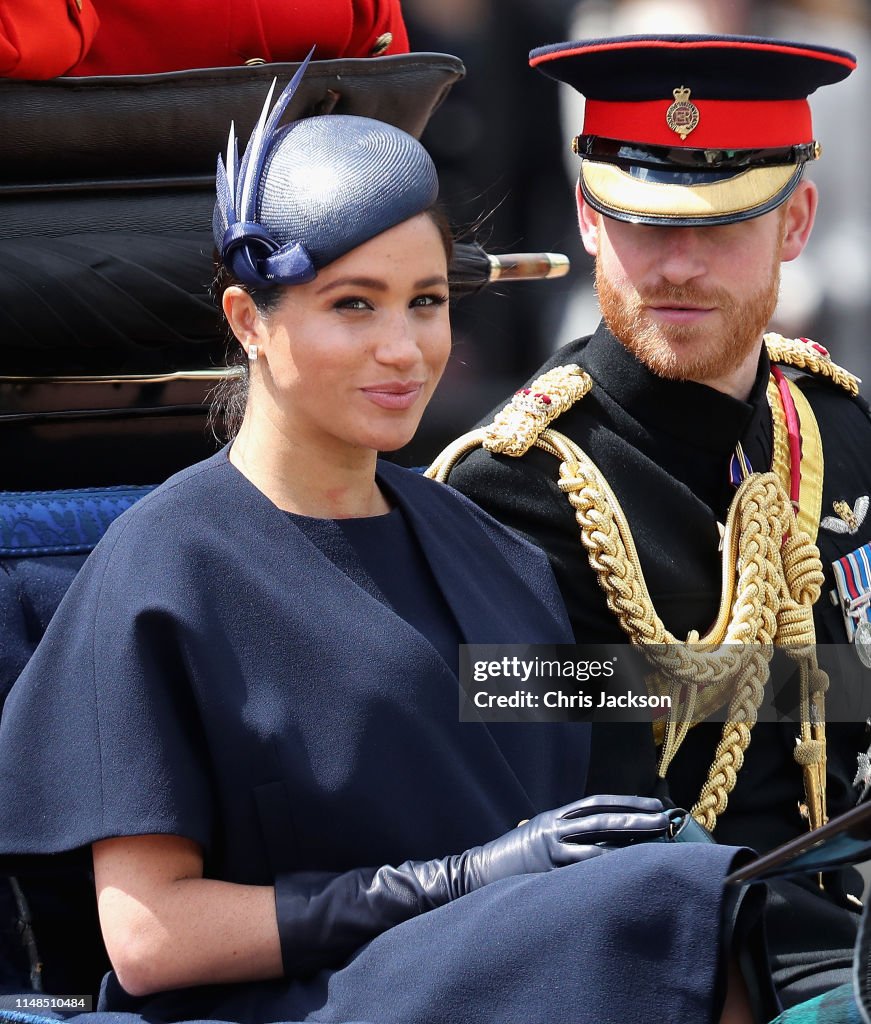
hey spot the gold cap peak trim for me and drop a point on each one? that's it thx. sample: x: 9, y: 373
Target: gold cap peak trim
x: 617, y: 190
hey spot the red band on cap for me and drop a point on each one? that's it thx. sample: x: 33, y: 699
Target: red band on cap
x: 723, y: 124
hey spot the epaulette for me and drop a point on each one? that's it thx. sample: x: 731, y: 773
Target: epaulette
x: 804, y: 354
x: 531, y: 410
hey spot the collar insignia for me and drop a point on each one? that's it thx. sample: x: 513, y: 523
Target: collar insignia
x: 682, y: 116
x: 848, y: 520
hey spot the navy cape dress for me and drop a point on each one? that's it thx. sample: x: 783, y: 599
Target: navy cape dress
x: 212, y: 673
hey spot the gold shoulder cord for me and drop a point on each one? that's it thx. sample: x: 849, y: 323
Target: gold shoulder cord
x: 771, y: 575
x: 804, y: 354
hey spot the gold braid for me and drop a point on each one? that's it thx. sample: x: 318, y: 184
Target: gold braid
x: 805, y: 354
x: 771, y: 578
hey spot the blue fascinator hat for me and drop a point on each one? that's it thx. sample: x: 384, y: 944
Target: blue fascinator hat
x: 307, y: 193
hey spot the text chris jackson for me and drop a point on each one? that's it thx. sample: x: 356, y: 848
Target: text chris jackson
x: 560, y: 699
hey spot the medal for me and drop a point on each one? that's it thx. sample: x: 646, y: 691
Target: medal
x: 853, y: 594
x: 862, y: 642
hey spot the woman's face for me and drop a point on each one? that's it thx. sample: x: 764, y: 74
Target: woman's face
x: 350, y: 359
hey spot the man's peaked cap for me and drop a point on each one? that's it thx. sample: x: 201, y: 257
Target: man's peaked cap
x: 691, y: 129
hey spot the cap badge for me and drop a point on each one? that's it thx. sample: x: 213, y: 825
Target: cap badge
x: 682, y: 116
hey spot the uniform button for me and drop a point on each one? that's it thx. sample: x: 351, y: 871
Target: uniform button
x: 381, y: 44
x: 254, y: 61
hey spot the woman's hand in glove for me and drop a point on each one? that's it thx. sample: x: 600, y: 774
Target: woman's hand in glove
x: 554, y: 839
x: 323, y: 918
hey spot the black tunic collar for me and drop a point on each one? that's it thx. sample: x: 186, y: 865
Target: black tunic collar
x: 685, y: 410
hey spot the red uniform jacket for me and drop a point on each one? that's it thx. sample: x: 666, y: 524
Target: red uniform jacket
x: 45, y: 38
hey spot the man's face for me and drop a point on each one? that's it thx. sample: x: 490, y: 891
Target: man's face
x: 690, y: 303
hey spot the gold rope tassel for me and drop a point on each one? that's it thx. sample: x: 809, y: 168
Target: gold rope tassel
x: 748, y: 609
x: 769, y: 586
x: 762, y: 514
x: 797, y: 634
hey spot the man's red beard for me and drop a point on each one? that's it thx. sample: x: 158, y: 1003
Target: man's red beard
x: 682, y: 351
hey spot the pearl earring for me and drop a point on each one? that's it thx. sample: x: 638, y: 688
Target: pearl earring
x: 252, y: 353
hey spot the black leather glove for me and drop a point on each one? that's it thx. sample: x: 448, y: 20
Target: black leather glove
x: 324, y: 917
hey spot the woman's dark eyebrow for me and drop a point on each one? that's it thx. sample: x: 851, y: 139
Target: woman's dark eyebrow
x: 354, y: 282
x: 432, y: 282
x: 377, y: 285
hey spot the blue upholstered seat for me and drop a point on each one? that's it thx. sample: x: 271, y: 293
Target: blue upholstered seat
x: 60, y: 522
x: 45, y: 536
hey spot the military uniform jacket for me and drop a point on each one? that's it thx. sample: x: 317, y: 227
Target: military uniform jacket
x: 665, y: 447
